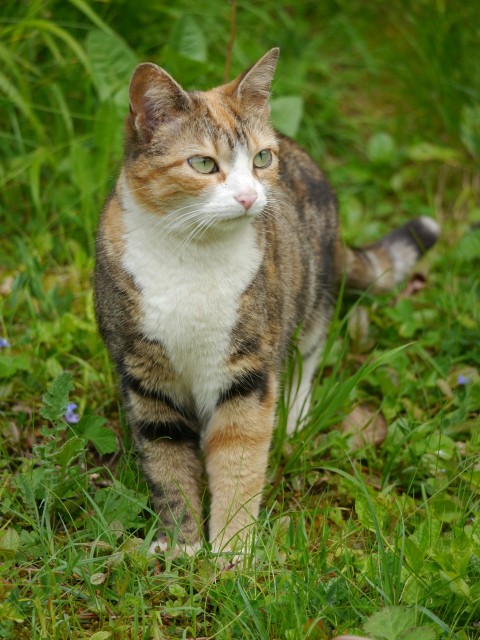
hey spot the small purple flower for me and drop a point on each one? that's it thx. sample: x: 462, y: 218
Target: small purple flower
x: 462, y: 380
x: 4, y: 343
x: 70, y: 416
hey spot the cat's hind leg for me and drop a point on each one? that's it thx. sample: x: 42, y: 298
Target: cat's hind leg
x: 310, y: 346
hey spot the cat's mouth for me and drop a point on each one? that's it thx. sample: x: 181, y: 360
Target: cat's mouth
x: 246, y: 214
x: 238, y: 219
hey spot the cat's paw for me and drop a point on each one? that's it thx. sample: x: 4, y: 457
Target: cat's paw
x: 158, y: 546
x: 232, y: 559
x: 228, y: 562
x: 163, y: 546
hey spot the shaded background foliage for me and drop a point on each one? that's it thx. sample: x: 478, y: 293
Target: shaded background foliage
x: 354, y: 69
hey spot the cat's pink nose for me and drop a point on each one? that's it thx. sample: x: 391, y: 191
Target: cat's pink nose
x: 246, y: 199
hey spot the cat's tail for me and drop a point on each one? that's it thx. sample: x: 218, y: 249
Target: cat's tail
x: 380, y: 266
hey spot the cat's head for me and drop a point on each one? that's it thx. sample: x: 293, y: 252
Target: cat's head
x: 201, y: 159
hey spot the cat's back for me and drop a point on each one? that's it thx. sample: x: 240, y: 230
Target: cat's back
x: 303, y: 232
x: 309, y: 191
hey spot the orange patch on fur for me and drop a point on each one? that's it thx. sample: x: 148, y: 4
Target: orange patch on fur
x: 234, y: 436
x: 243, y: 423
x: 113, y: 226
x: 216, y: 102
x: 155, y: 172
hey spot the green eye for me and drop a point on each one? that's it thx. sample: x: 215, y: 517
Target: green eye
x: 203, y: 164
x: 262, y: 159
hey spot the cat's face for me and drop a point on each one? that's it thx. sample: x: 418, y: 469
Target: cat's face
x: 204, y: 160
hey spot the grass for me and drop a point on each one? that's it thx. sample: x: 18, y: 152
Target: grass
x: 382, y: 541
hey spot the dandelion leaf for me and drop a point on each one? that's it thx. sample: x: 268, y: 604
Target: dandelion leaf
x: 92, y: 428
x: 55, y: 399
x: 420, y: 633
x: 391, y: 623
x: 69, y: 451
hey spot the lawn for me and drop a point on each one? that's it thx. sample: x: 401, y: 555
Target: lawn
x: 378, y: 539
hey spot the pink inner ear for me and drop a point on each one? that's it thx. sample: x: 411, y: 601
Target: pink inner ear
x: 154, y: 96
x: 254, y: 85
x: 151, y: 112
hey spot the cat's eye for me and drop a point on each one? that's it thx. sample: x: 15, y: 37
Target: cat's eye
x: 262, y: 159
x: 203, y: 164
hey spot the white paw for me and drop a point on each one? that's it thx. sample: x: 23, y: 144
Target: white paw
x: 158, y: 546
x: 228, y: 562
x: 161, y: 545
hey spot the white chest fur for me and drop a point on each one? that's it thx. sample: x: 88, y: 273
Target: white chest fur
x: 190, y: 296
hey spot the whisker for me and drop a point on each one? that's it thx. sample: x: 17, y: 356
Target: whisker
x: 187, y: 219
x: 191, y: 236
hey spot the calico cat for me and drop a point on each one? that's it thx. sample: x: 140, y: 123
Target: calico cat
x: 220, y: 240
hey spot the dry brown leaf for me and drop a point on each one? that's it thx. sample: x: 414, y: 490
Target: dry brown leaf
x: 416, y: 283
x: 365, y: 427
x: 6, y: 286
x: 445, y: 388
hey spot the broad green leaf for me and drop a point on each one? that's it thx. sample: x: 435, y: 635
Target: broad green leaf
x: 9, y: 612
x: 369, y: 517
x: 112, y: 62
x: 420, y: 633
x: 287, y: 113
x: 9, y: 541
x: 98, y: 578
x: 53, y: 367
x: 468, y: 249
x: 116, y: 528
x: 177, y: 590
x: 456, y: 584
x: 427, y: 535
x: 69, y: 451
x: 92, y: 428
x: 119, y: 503
x: 415, y: 557
x: 56, y: 398
x: 426, y: 152
x: 31, y: 486
x: 391, y: 623
x: 101, y: 635
x: 10, y: 365
x: 381, y: 149
x: 188, y: 40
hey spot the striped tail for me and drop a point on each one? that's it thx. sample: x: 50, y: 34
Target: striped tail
x: 380, y: 266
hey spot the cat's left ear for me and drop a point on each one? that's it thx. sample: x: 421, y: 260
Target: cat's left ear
x: 253, y: 86
x: 154, y: 97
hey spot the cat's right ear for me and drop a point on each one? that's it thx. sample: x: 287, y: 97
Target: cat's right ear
x: 253, y: 86
x: 154, y: 97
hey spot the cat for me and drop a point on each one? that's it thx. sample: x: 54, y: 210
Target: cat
x: 219, y: 241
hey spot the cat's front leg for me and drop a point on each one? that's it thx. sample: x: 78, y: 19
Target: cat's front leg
x: 236, y: 446
x: 169, y: 448
x: 173, y: 472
